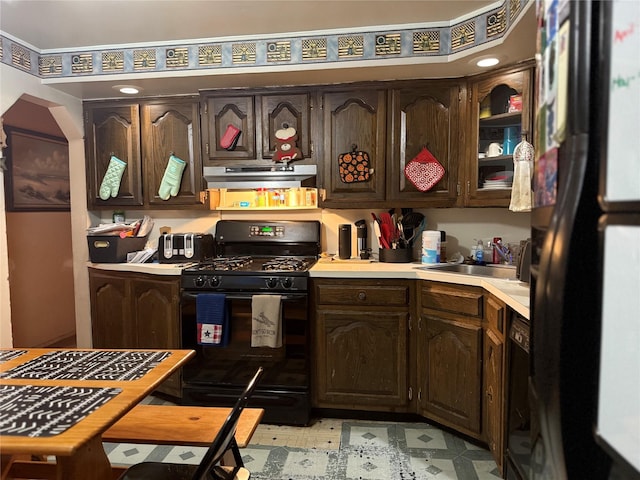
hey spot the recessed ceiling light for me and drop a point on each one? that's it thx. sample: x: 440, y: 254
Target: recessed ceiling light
x: 488, y: 62
x: 127, y: 89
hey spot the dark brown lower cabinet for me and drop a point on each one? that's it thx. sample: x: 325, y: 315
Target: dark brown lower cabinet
x: 360, y: 344
x: 136, y: 310
x: 450, y: 379
x: 449, y: 355
x: 494, y: 403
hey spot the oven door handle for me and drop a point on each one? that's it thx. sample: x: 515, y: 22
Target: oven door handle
x: 247, y: 296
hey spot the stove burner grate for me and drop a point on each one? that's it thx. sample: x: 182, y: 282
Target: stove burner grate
x: 226, y: 263
x: 286, y: 263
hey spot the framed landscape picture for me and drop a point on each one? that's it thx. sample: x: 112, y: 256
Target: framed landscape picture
x: 37, y: 175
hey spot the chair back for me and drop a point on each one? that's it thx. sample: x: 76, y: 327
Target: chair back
x: 226, y: 435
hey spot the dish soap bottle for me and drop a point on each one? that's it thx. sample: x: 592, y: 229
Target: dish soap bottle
x: 480, y: 252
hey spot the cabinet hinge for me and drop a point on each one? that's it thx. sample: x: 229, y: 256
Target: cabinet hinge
x: 458, y: 189
x: 311, y: 147
x: 206, y: 148
x: 206, y: 108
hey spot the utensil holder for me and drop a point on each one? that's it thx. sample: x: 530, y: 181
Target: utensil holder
x: 395, y: 255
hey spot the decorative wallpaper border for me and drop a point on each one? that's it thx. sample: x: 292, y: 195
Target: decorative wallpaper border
x: 487, y: 27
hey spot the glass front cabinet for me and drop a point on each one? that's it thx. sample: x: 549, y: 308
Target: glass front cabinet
x: 500, y: 118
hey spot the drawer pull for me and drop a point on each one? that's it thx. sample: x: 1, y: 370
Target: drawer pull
x: 362, y: 296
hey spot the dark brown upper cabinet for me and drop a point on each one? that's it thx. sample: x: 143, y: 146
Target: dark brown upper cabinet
x: 425, y: 115
x: 113, y: 129
x: 258, y: 115
x: 491, y: 119
x: 144, y: 135
x: 353, y: 117
x: 171, y: 127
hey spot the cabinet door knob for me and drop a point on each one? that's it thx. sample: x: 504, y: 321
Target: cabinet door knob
x: 362, y: 296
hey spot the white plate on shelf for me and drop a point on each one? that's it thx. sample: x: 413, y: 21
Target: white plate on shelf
x: 496, y: 186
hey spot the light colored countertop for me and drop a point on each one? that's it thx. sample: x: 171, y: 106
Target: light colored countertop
x: 152, y: 268
x: 514, y: 293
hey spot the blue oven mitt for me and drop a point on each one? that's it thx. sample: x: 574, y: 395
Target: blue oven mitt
x: 170, y: 184
x: 112, y: 177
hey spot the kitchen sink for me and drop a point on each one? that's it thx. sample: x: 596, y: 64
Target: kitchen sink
x: 507, y: 272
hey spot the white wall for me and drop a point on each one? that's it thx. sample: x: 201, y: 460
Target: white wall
x: 463, y: 225
x: 67, y: 111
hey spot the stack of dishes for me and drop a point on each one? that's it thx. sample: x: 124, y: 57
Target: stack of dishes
x: 498, y: 181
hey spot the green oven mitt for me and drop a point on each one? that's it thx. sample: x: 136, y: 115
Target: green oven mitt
x: 111, y: 180
x: 170, y: 184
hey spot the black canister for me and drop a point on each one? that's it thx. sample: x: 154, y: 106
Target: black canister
x: 361, y: 235
x: 344, y: 241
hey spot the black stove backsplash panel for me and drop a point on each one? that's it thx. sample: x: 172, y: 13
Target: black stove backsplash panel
x: 27, y: 410
x: 88, y: 365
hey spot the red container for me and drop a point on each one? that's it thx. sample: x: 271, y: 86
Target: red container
x: 496, y: 256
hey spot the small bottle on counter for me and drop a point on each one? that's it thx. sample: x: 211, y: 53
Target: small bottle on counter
x: 443, y: 246
x: 480, y: 252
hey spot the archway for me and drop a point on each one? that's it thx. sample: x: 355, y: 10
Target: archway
x: 39, y: 244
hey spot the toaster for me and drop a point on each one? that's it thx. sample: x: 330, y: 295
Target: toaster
x: 185, y: 247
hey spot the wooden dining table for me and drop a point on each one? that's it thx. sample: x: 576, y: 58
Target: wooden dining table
x: 58, y: 402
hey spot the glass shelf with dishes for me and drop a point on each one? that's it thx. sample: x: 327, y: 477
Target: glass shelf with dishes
x: 500, y: 112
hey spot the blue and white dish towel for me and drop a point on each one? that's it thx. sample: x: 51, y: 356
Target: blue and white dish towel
x: 212, y: 317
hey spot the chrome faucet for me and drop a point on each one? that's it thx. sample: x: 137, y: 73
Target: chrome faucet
x: 503, y: 251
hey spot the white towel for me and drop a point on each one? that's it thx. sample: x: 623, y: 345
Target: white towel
x: 266, y: 321
x: 521, y: 195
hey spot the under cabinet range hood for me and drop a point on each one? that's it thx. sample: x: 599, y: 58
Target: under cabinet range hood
x: 263, y: 176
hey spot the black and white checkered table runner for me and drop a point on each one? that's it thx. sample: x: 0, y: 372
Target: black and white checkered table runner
x: 6, y: 355
x: 27, y: 410
x: 88, y: 365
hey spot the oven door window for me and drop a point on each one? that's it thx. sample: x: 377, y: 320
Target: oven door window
x: 236, y: 363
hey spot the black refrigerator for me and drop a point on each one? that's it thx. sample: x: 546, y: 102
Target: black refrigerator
x: 584, y: 383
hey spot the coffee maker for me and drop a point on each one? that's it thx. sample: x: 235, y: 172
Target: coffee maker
x: 361, y: 234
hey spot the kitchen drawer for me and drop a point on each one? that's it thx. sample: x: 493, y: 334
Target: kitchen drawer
x: 457, y: 299
x: 365, y: 293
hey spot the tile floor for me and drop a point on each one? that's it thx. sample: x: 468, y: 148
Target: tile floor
x: 336, y: 449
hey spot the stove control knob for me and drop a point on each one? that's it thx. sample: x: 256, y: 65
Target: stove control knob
x: 272, y: 282
x: 214, y: 282
x: 287, y: 282
x: 199, y: 281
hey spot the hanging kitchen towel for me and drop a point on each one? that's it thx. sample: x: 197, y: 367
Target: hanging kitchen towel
x: 521, y: 195
x: 424, y: 171
x: 266, y: 321
x: 212, y: 319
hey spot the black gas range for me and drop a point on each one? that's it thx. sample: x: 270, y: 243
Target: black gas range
x: 254, y: 258
x: 258, y: 256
